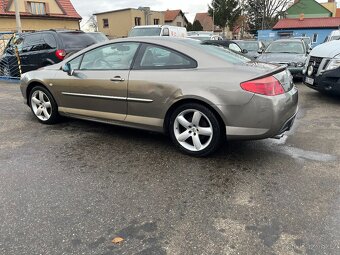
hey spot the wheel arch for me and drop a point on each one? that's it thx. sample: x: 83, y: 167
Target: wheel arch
x: 183, y: 101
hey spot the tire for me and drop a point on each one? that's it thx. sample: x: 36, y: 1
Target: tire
x: 195, y: 130
x: 43, y: 105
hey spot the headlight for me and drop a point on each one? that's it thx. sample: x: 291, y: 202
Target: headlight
x: 300, y: 64
x: 333, y: 64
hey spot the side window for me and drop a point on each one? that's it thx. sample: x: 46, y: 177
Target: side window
x: 33, y: 42
x: 116, y: 56
x: 49, y: 42
x: 234, y: 47
x: 75, y: 63
x: 158, y: 57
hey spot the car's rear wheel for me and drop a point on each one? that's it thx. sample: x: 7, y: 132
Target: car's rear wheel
x: 43, y: 105
x: 195, y: 130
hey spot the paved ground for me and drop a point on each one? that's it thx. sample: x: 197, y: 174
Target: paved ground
x: 73, y: 187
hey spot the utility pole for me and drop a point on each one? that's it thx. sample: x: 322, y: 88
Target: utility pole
x: 17, y: 16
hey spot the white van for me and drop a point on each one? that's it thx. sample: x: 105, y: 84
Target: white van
x: 334, y: 35
x: 158, y: 30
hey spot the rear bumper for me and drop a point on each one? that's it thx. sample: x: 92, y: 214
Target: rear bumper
x: 328, y: 81
x: 264, y: 117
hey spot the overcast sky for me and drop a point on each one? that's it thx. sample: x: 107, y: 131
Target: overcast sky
x: 86, y: 8
x: 190, y: 7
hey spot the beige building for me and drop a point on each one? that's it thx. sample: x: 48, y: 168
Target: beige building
x: 175, y: 18
x: 118, y: 23
x: 39, y: 15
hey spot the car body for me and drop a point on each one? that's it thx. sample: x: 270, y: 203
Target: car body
x: 322, y: 69
x: 254, y: 48
x: 231, y: 45
x: 290, y: 52
x: 158, y: 30
x: 168, y: 85
x: 42, y: 48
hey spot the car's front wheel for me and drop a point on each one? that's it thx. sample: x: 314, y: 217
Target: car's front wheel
x: 43, y: 105
x: 195, y: 130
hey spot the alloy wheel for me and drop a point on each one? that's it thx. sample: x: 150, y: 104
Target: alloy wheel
x: 41, y: 105
x: 193, y: 130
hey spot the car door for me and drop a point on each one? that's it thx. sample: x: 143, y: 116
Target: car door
x: 98, y: 85
x: 153, y: 82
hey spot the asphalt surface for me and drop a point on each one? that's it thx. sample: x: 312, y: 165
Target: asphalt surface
x: 73, y: 187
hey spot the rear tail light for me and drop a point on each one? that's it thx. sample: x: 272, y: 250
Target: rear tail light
x: 268, y: 86
x: 60, y: 54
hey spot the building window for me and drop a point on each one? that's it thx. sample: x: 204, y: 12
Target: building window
x: 138, y: 21
x: 37, y: 8
x: 315, y: 38
x: 156, y: 21
x: 179, y: 24
x: 105, y: 23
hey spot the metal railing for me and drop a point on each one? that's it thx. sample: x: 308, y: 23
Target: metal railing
x: 10, y: 66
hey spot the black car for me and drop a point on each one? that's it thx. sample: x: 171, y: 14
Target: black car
x: 38, y: 49
x: 226, y: 44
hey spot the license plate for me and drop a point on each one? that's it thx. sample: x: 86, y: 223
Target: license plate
x: 309, y: 80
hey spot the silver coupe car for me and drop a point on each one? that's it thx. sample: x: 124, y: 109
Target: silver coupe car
x: 197, y: 94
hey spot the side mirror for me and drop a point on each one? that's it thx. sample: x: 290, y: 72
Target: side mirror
x: 166, y: 32
x: 244, y: 51
x: 259, y: 51
x: 67, y: 69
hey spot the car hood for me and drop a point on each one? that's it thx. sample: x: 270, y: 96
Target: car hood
x: 282, y: 58
x: 326, y: 50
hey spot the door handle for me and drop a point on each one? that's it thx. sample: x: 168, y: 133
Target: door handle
x: 117, y: 78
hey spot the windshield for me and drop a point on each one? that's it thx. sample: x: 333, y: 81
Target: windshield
x: 249, y: 46
x: 285, y: 47
x: 76, y: 40
x: 150, y: 31
x: 219, y: 51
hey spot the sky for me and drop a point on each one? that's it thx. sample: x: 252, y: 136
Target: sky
x: 189, y: 7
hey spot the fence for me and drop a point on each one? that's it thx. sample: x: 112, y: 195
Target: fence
x: 9, y: 62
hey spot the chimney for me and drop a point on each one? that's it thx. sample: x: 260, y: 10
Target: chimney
x: 302, y: 17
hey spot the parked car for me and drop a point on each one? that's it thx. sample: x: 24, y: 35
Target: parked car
x: 231, y: 45
x: 158, y: 30
x: 39, y: 49
x: 198, y: 94
x: 322, y: 71
x: 98, y: 36
x: 306, y: 40
x: 254, y: 48
x: 290, y: 52
x: 204, y: 36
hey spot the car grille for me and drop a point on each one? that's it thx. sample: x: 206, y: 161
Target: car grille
x: 315, y: 61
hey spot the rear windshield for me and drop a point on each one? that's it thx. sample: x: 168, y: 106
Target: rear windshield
x: 249, y: 46
x: 219, y: 51
x: 75, y: 40
x: 150, y: 31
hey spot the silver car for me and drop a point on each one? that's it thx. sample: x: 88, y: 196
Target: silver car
x: 198, y: 94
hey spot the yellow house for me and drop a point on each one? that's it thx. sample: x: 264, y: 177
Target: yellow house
x: 331, y: 6
x: 118, y: 23
x: 39, y: 15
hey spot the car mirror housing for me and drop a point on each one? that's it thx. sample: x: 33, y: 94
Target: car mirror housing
x: 244, y: 51
x: 67, y: 69
x: 260, y: 51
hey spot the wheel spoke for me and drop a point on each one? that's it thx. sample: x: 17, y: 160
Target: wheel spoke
x: 48, y: 104
x: 36, y: 101
x: 196, y: 118
x: 46, y: 114
x: 183, y: 121
x: 182, y: 137
x: 39, y: 111
x: 197, y: 142
x: 41, y: 96
x: 206, y: 131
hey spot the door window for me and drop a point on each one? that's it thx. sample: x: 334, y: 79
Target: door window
x: 75, y: 63
x: 117, y: 56
x: 234, y: 47
x: 158, y: 57
x: 33, y: 42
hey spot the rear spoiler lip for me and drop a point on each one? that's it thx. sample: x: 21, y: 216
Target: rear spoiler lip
x: 279, y: 69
